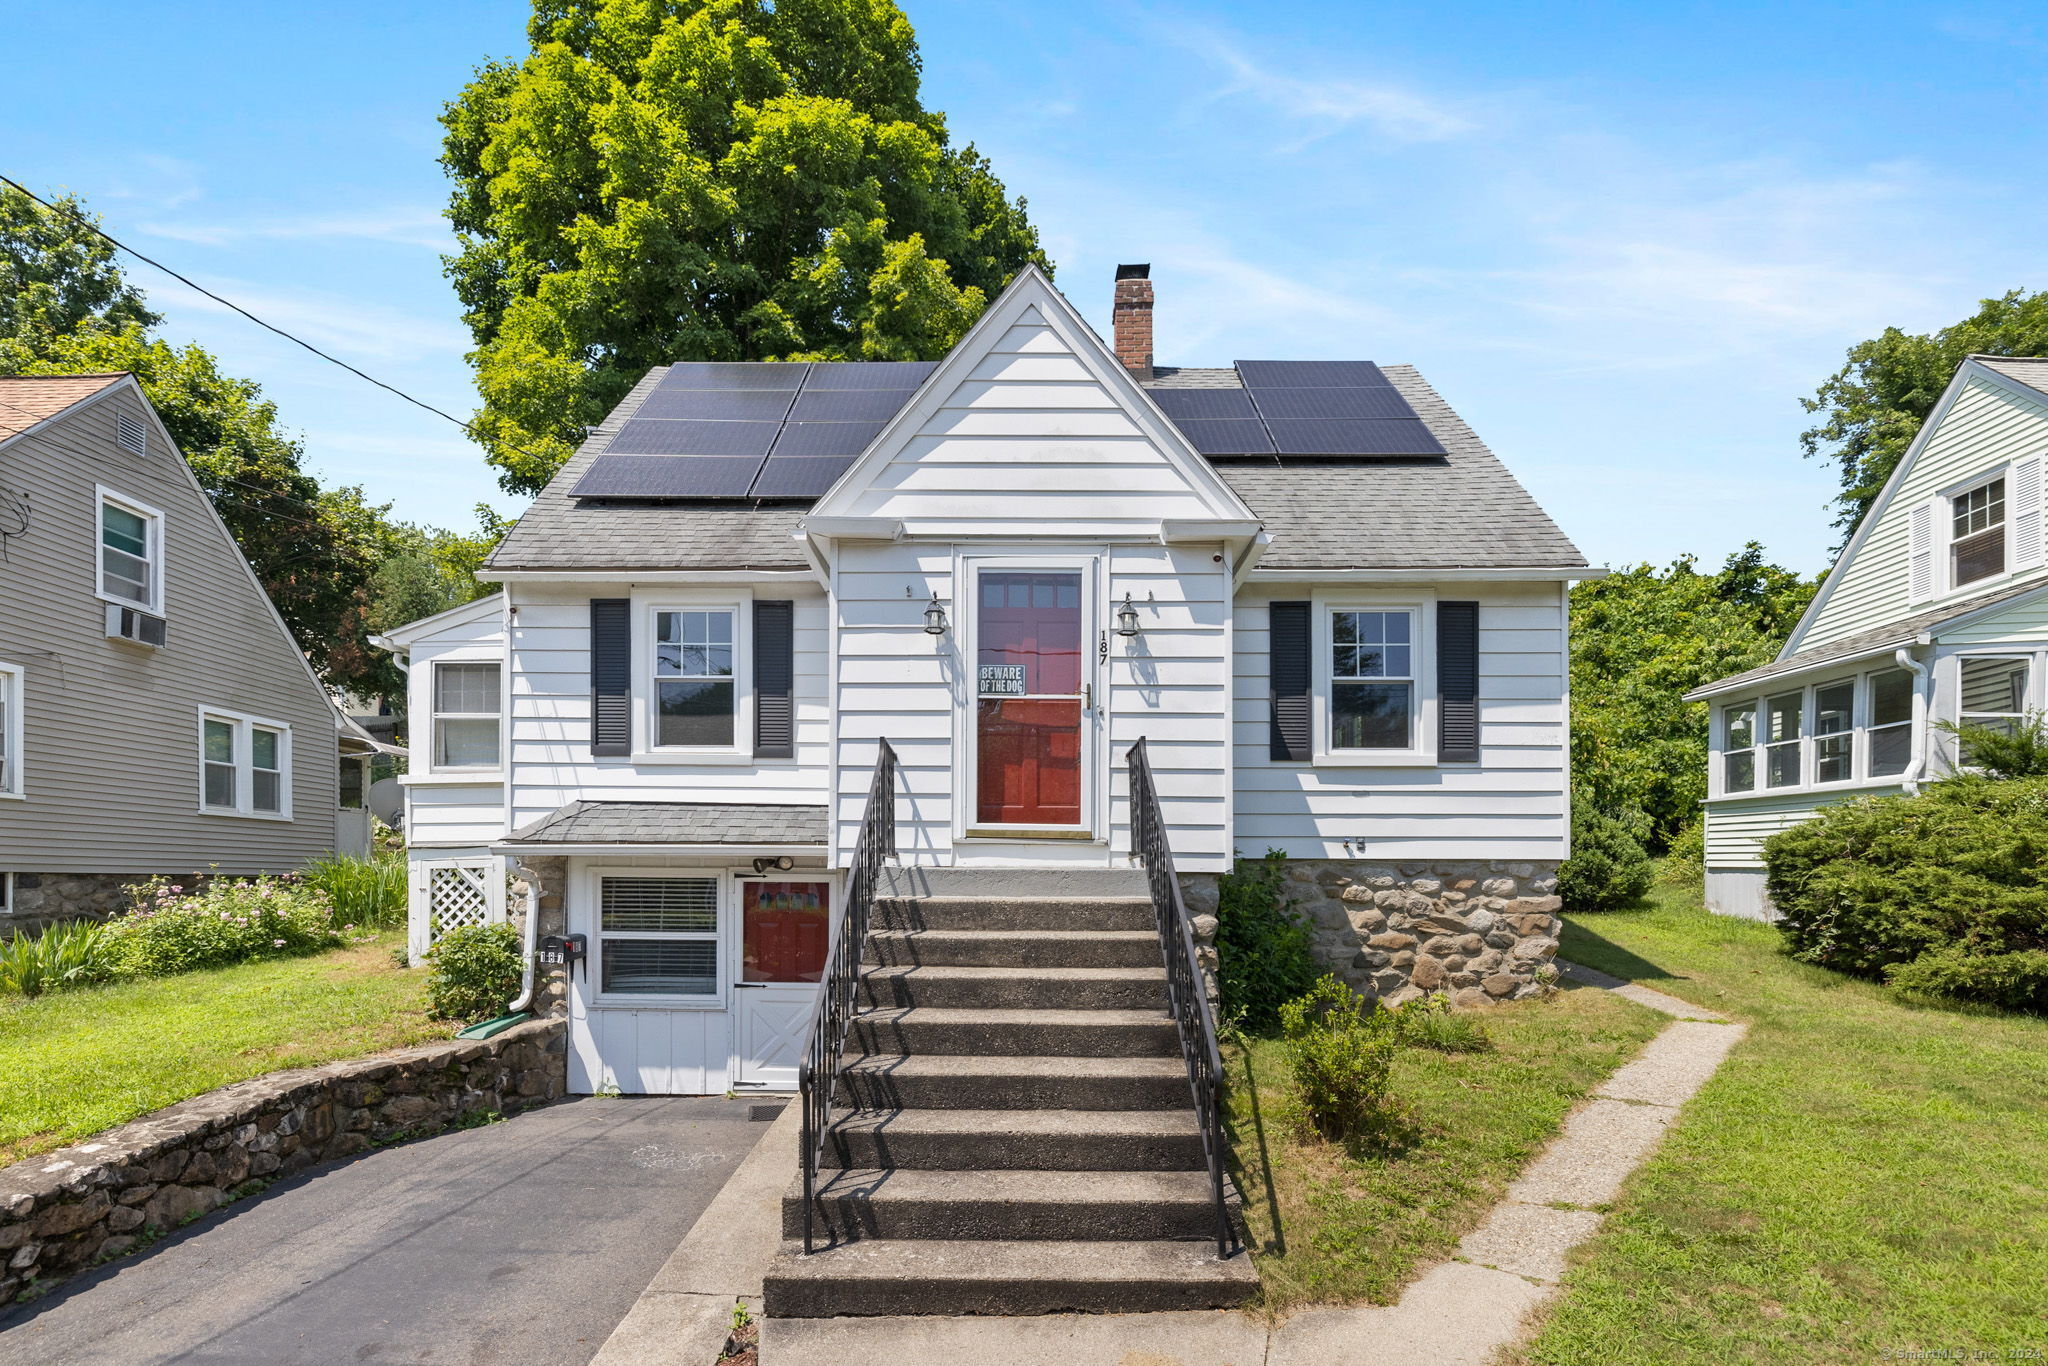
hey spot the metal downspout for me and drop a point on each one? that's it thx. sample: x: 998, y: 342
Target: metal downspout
x: 531, y: 936
x: 1922, y: 705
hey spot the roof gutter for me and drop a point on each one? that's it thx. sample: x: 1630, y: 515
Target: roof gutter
x: 1740, y: 684
x: 546, y: 848
x: 627, y: 574
x: 1423, y: 574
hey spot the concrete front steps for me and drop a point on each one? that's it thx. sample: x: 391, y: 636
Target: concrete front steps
x: 1013, y: 1132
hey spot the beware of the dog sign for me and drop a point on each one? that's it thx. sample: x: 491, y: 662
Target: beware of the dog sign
x: 1002, y: 679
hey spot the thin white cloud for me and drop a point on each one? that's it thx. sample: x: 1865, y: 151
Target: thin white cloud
x: 404, y: 225
x: 356, y: 330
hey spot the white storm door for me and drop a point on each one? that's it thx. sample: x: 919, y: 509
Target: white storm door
x: 785, y: 933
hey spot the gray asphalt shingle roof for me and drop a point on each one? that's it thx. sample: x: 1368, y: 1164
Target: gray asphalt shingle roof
x: 676, y: 823
x: 2027, y: 370
x: 1900, y: 632
x: 1464, y: 510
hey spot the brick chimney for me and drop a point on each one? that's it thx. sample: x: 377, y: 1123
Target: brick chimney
x: 1133, y: 318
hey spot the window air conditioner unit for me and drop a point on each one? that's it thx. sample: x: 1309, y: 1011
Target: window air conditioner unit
x: 131, y: 623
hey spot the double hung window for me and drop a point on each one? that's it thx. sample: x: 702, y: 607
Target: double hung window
x: 1993, y: 691
x: 1834, y: 732
x: 244, y: 765
x: 1891, y: 722
x: 695, y: 685
x: 1977, y: 533
x: 466, y: 715
x: 10, y: 730
x: 1738, y: 748
x: 131, y: 553
x: 1781, y: 740
x: 1372, y: 679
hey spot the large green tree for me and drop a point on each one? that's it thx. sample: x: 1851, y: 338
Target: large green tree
x: 663, y: 180
x: 1871, y: 409
x: 1641, y: 639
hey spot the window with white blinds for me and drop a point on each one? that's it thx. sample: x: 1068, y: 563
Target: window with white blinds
x: 658, y: 936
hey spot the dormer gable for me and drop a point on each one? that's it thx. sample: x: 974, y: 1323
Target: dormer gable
x: 1030, y: 425
x: 1960, y: 516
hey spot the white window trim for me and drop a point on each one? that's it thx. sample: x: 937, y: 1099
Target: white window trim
x: 1421, y: 753
x: 435, y: 716
x: 13, y: 691
x: 245, y: 782
x: 2032, y: 704
x: 741, y: 750
x: 6, y: 894
x: 1860, y: 775
x: 725, y: 939
x: 101, y: 496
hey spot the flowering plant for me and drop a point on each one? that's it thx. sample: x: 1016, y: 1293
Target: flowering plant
x: 172, y: 928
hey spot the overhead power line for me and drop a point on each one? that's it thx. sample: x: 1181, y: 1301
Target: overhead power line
x: 87, y: 223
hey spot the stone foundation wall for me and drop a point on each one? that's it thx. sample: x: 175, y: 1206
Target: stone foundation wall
x: 42, y: 899
x: 1478, y: 932
x: 64, y: 1211
x: 551, y: 876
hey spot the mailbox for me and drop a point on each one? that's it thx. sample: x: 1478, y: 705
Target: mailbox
x: 561, y: 950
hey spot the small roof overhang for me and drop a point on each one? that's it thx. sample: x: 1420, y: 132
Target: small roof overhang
x: 752, y: 828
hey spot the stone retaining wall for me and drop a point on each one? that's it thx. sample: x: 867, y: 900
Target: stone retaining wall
x: 64, y: 1211
x: 1478, y: 932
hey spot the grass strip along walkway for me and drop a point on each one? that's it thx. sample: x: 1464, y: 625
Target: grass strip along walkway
x: 1865, y: 1173
x: 1331, y: 1227
x: 75, y: 1062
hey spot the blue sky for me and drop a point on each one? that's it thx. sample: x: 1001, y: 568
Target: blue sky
x: 1622, y: 239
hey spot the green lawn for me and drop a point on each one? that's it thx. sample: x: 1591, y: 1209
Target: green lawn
x: 1864, y: 1174
x: 1328, y: 1227
x: 73, y: 1063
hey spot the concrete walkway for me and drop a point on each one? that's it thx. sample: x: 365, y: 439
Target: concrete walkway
x: 1459, y: 1313
x: 516, y: 1244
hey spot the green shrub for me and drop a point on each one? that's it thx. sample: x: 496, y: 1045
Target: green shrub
x: 1685, y: 863
x: 1957, y: 877
x: 1429, y: 1022
x: 368, y: 893
x: 2021, y: 752
x: 76, y: 953
x: 227, y: 920
x: 1608, y: 867
x: 1340, y: 1049
x: 476, y: 970
x: 1263, y: 953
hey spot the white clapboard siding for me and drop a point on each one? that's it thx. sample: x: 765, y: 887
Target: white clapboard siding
x: 440, y: 811
x: 446, y: 815
x: 1736, y: 830
x: 1988, y: 425
x: 1028, y: 438
x: 550, y: 764
x: 1509, y: 806
x: 1170, y: 685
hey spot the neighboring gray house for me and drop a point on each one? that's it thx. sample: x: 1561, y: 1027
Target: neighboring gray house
x: 155, y: 714
x: 1936, y: 610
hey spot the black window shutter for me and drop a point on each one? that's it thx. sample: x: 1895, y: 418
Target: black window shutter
x: 774, y: 679
x: 1287, y: 667
x: 611, y: 676
x: 1457, y: 682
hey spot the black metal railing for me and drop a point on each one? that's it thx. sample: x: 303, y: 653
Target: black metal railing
x: 818, y: 1074
x: 1186, y: 993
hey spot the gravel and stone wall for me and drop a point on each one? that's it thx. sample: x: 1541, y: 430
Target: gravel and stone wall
x: 1478, y: 932
x: 64, y: 1211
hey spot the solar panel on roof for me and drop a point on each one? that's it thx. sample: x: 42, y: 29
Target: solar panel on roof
x: 672, y: 436
x: 1205, y: 404
x: 1353, y: 436
x: 799, y: 477
x: 667, y: 476
x: 846, y: 439
x: 1300, y: 374
x: 1226, y: 437
x: 734, y: 374
x: 869, y: 374
x: 1288, y: 405
x: 848, y: 405
x: 760, y: 405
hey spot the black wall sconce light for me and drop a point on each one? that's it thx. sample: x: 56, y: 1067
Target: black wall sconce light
x: 935, y: 617
x: 1127, y: 618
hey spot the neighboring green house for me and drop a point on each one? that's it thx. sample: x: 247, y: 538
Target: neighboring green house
x: 1937, y: 610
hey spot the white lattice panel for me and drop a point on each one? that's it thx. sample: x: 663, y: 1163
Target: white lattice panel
x: 459, y: 894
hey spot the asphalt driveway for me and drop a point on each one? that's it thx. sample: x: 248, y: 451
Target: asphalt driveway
x: 517, y: 1244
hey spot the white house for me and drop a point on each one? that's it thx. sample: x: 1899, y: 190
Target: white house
x: 1936, y: 610
x: 1334, y: 616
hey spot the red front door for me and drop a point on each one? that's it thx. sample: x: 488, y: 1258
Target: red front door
x: 1028, y: 698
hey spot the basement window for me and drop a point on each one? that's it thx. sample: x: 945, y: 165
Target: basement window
x: 658, y: 936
